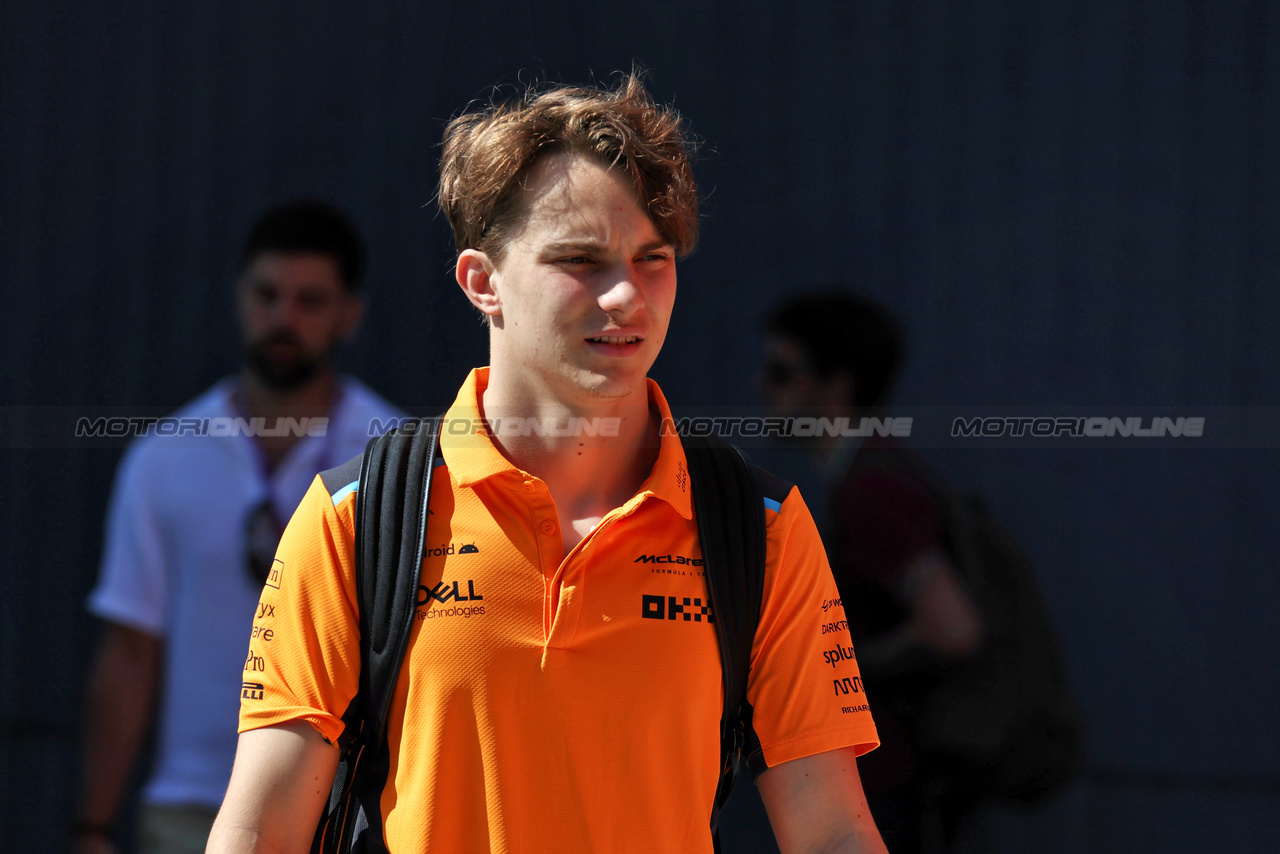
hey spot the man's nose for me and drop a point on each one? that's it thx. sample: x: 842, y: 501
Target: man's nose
x: 286, y: 313
x: 623, y: 296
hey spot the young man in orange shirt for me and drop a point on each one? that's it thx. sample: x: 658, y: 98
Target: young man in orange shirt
x: 561, y: 690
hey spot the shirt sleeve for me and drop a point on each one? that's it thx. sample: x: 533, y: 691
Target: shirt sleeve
x: 303, y: 661
x: 133, y: 583
x: 804, y: 686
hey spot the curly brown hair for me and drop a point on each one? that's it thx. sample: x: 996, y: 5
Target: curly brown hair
x: 489, y: 152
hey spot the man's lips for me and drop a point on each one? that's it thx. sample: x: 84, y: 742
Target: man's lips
x: 616, y: 339
x: 615, y: 345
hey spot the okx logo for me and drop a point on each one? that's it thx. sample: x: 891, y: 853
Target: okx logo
x: 447, y: 592
x: 674, y: 607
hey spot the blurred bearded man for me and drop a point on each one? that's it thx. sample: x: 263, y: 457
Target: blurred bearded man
x: 194, y: 521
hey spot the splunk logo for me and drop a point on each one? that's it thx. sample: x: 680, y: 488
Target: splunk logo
x: 671, y: 607
x: 837, y: 655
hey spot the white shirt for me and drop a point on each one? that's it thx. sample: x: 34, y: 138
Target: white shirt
x: 174, y: 566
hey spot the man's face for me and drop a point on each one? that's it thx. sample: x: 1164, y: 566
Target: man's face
x: 293, y: 312
x: 585, y: 287
x: 789, y: 383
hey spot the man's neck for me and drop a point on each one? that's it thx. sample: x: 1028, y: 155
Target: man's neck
x: 313, y: 399
x: 606, y: 452
x: 832, y: 455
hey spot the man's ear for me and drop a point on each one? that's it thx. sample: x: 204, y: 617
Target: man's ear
x: 474, y: 272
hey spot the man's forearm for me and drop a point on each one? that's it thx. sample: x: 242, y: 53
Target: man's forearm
x: 121, y: 697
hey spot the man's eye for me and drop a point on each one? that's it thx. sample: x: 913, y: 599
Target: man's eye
x: 576, y: 260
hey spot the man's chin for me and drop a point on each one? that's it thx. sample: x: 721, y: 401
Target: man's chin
x: 283, y: 376
x: 608, y: 387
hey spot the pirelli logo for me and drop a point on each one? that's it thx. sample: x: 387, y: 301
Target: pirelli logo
x: 689, y: 609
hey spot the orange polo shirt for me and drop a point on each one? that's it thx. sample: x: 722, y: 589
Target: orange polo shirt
x: 553, y: 702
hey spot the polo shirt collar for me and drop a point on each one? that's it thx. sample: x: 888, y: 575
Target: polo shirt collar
x: 669, y: 479
x: 472, y: 456
x: 469, y: 453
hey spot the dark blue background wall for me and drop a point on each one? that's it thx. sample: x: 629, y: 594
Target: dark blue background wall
x: 1069, y: 203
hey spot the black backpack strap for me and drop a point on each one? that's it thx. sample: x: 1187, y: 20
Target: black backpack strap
x: 390, y: 530
x: 729, y: 507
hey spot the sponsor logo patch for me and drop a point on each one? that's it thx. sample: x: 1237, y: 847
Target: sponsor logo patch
x: 448, y: 592
x: 690, y: 609
x: 837, y: 655
x: 273, y: 577
x: 848, y: 685
x: 680, y: 560
x: 442, y: 551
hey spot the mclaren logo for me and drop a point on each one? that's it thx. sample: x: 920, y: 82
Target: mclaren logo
x: 678, y: 559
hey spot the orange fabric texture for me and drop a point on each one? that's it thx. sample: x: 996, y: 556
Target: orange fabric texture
x: 553, y: 702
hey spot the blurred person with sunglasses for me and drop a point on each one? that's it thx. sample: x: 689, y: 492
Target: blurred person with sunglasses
x: 193, y: 525
x: 836, y: 355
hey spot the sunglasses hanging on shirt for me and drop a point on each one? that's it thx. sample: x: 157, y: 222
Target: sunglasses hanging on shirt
x: 262, y: 527
x: 262, y: 531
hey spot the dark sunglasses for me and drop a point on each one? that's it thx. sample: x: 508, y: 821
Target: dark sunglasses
x: 261, y: 538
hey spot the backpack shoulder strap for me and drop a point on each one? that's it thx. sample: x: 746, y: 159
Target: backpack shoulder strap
x: 390, y: 528
x: 391, y: 519
x: 729, y: 508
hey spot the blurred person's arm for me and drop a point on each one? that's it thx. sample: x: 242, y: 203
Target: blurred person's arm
x: 279, y: 785
x: 816, y: 804
x: 943, y: 623
x: 121, y: 699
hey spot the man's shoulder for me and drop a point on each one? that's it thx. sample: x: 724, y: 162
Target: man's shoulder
x: 359, y: 398
x: 890, y: 467
x: 774, y: 488
x: 344, y: 479
x: 181, y: 425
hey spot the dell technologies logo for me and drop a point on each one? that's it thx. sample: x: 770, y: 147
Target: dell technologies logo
x: 446, y: 592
